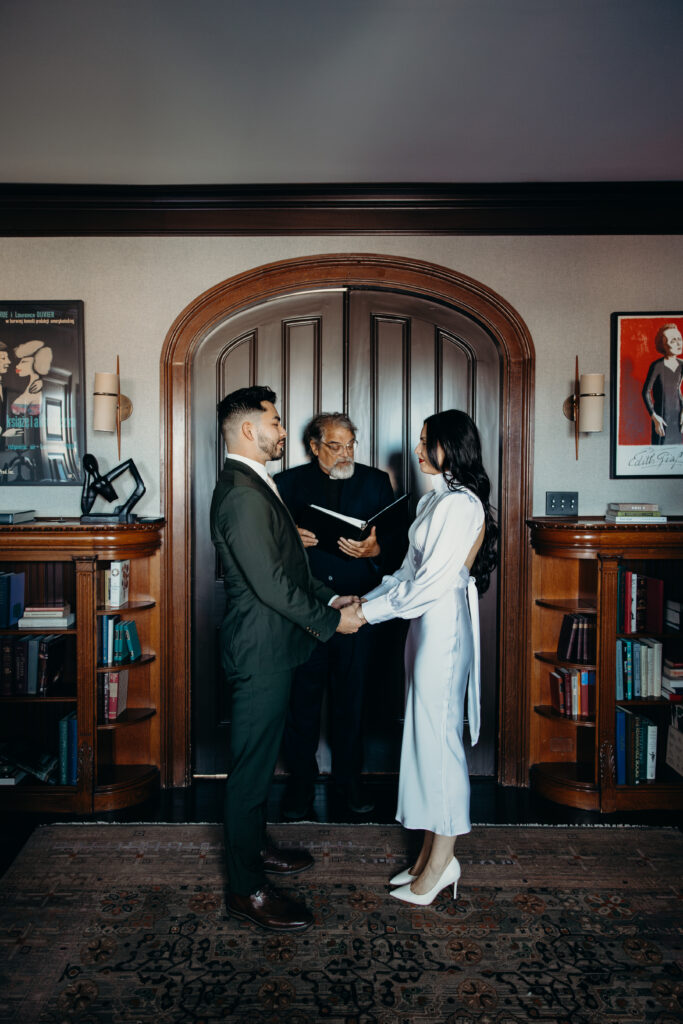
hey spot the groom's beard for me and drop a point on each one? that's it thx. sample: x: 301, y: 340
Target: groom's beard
x: 271, y: 449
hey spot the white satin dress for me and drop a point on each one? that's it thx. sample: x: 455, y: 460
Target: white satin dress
x: 434, y: 589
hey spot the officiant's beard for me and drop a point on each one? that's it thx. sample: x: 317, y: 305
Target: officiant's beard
x: 342, y: 470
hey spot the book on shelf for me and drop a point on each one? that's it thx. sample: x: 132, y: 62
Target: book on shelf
x: 639, y: 673
x: 632, y: 506
x: 674, y: 749
x: 640, y: 602
x: 40, y: 764
x: 21, y: 516
x: 10, y: 774
x: 51, y: 651
x: 118, y: 694
x: 631, y: 520
x: 20, y: 684
x: 130, y: 631
x: 64, y: 760
x: 329, y: 527
x: 672, y: 615
x: 577, y: 638
x: 116, y: 583
x: 11, y: 598
x: 47, y: 621
x: 46, y: 611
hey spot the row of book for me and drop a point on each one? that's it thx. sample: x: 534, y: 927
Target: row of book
x: 628, y: 512
x: 32, y: 666
x: 43, y: 616
x: 636, y: 748
x: 645, y: 669
x: 12, y: 586
x: 112, y: 695
x: 117, y: 640
x: 640, y: 603
x: 577, y: 640
x: 572, y: 692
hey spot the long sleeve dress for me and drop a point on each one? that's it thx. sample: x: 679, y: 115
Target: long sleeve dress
x: 662, y: 394
x: 433, y: 589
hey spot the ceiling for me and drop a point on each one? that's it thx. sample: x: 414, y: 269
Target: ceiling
x: 352, y: 91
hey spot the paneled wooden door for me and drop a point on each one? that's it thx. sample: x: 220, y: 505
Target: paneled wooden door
x: 389, y: 359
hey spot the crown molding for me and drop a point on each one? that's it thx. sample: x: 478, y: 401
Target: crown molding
x: 386, y: 209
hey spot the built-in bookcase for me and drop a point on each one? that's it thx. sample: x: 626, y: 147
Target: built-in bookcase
x: 118, y: 763
x: 576, y: 566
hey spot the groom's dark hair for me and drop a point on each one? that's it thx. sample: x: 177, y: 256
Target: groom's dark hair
x: 240, y: 403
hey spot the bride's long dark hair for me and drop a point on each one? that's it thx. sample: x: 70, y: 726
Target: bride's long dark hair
x: 462, y: 467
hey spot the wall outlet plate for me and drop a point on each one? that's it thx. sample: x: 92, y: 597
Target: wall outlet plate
x: 562, y: 503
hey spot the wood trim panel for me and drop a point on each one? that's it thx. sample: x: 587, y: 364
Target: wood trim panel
x: 435, y: 209
x: 423, y: 279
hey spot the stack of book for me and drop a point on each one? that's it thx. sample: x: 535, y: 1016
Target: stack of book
x: 572, y: 692
x: 672, y: 673
x: 639, y: 669
x: 47, y: 616
x: 636, y: 742
x: 640, y: 602
x: 577, y: 639
x: 32, y: 666
x: 627, y: 512
x: 672, y: 615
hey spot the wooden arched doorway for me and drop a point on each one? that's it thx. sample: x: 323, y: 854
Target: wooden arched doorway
x: 429, y: 281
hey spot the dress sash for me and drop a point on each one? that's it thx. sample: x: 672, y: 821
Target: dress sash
x: 474, y: 685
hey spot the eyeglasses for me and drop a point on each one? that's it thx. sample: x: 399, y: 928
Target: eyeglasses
x: 337, y: 448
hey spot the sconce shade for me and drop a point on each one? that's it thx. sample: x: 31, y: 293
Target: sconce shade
x: 591, y: 402
x: 105, y: 401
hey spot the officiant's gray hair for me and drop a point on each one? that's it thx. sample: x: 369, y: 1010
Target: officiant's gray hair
x: 315, y: 428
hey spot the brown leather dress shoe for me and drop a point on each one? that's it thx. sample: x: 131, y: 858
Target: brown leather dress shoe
x: 285, y: 862
x: 270, y: 909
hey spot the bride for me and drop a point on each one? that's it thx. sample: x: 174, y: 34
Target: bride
x: 452, y: 553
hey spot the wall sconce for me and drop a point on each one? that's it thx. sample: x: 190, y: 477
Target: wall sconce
x: 587, y: 403
x: 110, y: 407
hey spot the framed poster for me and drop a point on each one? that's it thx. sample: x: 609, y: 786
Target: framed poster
x: 42, y: 378
x: 647, y: 403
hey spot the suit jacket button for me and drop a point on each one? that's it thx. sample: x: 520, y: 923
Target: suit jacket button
x: 330, y: 578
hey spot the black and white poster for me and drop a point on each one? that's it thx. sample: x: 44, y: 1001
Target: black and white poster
x: 42, y: 378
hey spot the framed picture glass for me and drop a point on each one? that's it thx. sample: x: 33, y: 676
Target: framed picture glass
x: 42, y: 409
x: 647, y: 402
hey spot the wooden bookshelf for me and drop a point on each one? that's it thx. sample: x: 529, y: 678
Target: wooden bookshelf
x: 119, y: 762
x: 574, y: 568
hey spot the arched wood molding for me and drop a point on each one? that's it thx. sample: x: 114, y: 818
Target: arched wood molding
x: 429, y: 281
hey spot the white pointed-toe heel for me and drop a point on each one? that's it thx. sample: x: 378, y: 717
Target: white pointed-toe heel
x: 402, y: 878
x: 449, y: 876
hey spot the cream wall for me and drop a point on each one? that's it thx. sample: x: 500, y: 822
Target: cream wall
x: 563, y: 287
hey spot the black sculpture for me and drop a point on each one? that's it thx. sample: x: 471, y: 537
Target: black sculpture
x: 96, y: 485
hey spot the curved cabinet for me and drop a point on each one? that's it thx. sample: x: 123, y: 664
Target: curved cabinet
x: 117, y: 763
x: 577, y: 568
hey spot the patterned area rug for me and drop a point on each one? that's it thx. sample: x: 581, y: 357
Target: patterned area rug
x: 126, y: 923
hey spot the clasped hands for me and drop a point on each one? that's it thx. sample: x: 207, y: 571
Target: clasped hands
x: 352, y: 617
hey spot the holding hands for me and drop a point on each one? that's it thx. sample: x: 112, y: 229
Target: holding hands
x: 352, y: 617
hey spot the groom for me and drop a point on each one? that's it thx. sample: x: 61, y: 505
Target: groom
x: 276, y: 614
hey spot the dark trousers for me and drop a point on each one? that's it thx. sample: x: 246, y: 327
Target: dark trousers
x: 342, y: 662
x: 259, y: 707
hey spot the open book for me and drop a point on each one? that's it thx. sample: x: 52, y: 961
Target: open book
x: 329, y: 526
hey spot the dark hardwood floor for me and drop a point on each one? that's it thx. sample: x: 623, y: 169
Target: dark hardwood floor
x: 491, y: 804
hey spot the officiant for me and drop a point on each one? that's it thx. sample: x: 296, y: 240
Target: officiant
x: 334, y: 480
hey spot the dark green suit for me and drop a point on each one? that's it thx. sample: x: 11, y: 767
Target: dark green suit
x: 276, y: 614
